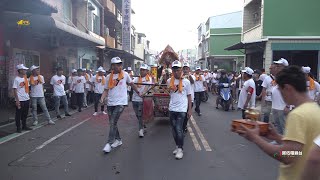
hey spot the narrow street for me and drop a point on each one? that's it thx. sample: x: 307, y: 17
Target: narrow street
x: 72, y: 149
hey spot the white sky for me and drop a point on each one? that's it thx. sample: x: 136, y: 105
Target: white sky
x: 175, y: 22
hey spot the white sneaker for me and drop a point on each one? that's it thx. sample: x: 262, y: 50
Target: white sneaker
x: 179, y: 154
x: 51, y: 122
x: 141, y: 133
x: 274, y: 142
x: 35, y: 123
x: 95, y: 114
x: 103, y: 112
x: 175, y: 151
x: 116, y: 143
x: 107, y: 148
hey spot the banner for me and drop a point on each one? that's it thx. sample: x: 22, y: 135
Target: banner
x: 126, y: 25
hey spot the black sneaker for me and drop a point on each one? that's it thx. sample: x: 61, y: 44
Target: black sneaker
x: 59, y: 117
x: 199, y: 114
x: 67, y: 114
x: 217, y: 107
x: 79, y: 110
x: 26, y: 128
x: 19, y: 130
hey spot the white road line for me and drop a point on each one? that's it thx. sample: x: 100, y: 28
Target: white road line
x: 202, y: 138
x: 52, y: 139
x: 194, y: 139
x: 61, y: 134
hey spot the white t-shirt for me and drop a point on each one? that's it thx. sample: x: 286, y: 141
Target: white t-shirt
x: 88, y: 86
x: 79, y: 84
x: 213, y: 79
x: 179, y: 101
x: 142, y: 89
x: 98, y: 86
x: 277, y: 100
x: 198, y: 85
x: 58, y: 83
x: 312, y: 93
x: 262, y: 77
x: 37, y: 89
x: 244, y: 94
x: 118, y: 94
x: 317, y: 141
x: 267, y: 83
x: 19, y: 84
x: 207, y: 77
x: 192, y: 88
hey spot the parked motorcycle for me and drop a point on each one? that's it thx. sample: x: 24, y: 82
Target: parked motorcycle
x: 225, y: 96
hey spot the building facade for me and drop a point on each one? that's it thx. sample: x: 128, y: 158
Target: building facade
x: 221, y: 31
x: 272, y: 31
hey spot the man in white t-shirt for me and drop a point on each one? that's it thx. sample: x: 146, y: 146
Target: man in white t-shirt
x: 312, y: 85
x: 21, y: 93
x: 89, y: 87
x: 71, y: 80
x: 207, y: 76
x: 37, y: 95
x: 200, y: 86
x: 79, y: 88
x: 58, y: 81
x: 266, y: 99
x: 279, y: 107
x: 191, y: 78
x: 214, y: 82
x: 247, y: 97
x: 137, y: 101
x: 117, y: 99
x: 312, y: 166
x: 179, y: 106
x: 98, y: 82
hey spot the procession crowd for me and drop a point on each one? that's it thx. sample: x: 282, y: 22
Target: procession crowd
x: 287, y: 97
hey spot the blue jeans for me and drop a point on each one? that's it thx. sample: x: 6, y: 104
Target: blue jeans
x: 279, y: 120
x: 176, y: 120
x: 114, y: 113
x: 138, y: 109
x: 266, y: 111
x: 41, y: 101
x: 57, y: 100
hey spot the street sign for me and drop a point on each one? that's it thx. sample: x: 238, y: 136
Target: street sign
x: 126, y: 25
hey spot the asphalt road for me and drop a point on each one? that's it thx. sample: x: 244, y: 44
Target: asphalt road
x: 72, y: 150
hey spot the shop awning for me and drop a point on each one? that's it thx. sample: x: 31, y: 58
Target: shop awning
x: 120, y: 53
x: 245, y: 45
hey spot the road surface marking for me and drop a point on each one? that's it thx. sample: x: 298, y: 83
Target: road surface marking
x: 52, y: 139
x: 194, y: 139
x: 15, y: 135
x: 61, y: 134
x: 202, y: 138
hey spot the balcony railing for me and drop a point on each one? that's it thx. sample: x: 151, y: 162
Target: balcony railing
x: 110, y: 41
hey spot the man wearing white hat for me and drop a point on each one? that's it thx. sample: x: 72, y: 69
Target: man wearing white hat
x: 137, y: 101
x: 208, y: 77
x: 21, y: 94
x: 89, y: 87
x: 191, y: 78
x: 200, y: 86
x: 279, y: 107
x: 79, y: 88
x: 71, y: 79
x: 116, y: 91
x: 58, y: 81
x: 98, y: 82
x: 247, y: 97
x: 312, y: 85
x: 179, y: 106
x: 130, y: 92
x: 37, y: 95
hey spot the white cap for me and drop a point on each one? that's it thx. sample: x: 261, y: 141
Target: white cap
x: 74, y: 71
x: 198, y: 68
x: 176, y: 63
x: 206, y: 70
x: 282, y: 61
x: 186, y: 64
x: 33, y: 67
x: 129, y: 69
x: 21, y: 66
x: 84, y: 69
x: 144, y: 66
x: 306, y: 70
x: 248, y: 71
x: 116, y: 60
x: 100, y: 69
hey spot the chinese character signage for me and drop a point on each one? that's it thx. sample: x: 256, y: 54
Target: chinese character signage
x: 126, y: 25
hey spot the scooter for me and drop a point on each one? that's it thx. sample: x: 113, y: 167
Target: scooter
x: 225, y: 96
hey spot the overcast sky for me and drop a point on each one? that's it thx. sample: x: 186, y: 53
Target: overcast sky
x: 175, y: 22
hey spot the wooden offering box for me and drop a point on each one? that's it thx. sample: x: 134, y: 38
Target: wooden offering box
x: 263, y: 127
